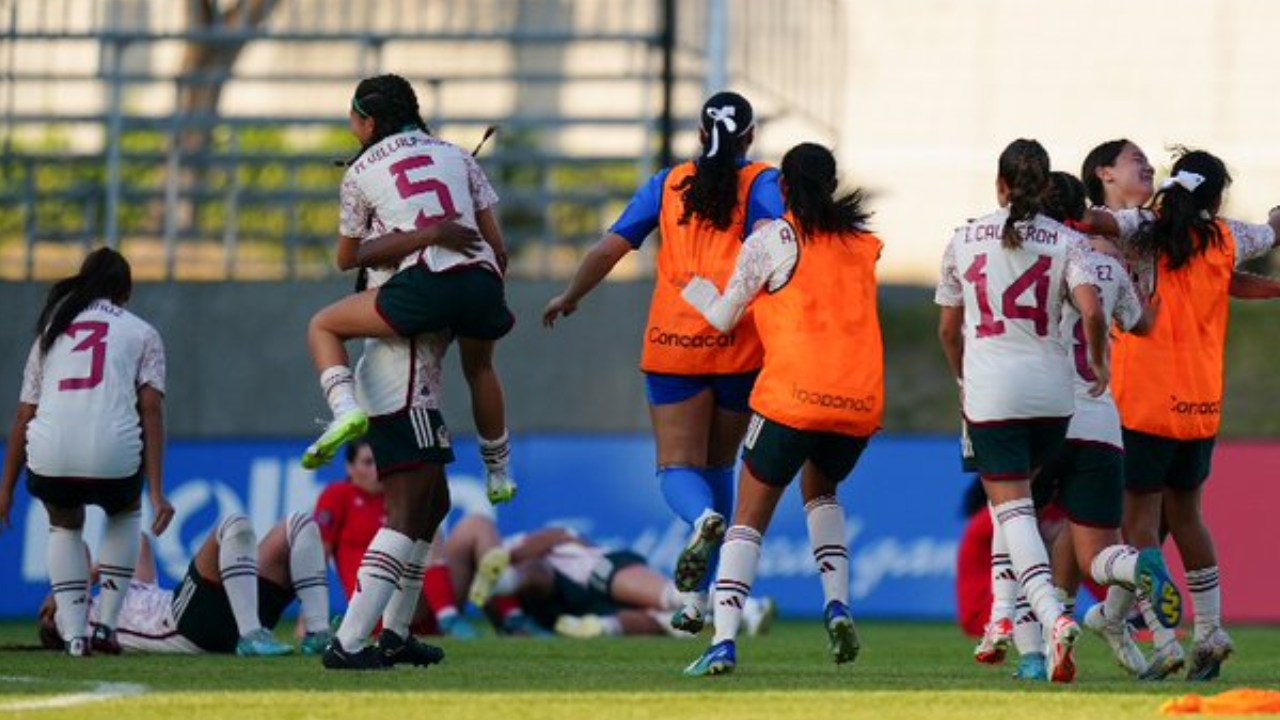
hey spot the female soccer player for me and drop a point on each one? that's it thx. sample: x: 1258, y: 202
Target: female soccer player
x: 1169, y: 385
x: 1005, y: 278
x: 698, y: 378
x: 811, y: 280
x: 90, y: 431
x: 405, y: 179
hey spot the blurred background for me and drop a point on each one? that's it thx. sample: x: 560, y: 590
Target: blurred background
x: 200, y: 137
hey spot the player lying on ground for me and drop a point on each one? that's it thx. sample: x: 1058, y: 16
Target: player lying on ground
x: 582, y: 590
x: 230, y: 598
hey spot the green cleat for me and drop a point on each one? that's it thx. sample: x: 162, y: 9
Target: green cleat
x: 694, y: 561
x: 1154, y: 580
x: 719, y: 659
x: 843, y: 635
x: 500, y: 488
x: 351, y: 426
x: 688, y: 618
x: 261, y: 643
x: 1032, y: 666
x: 490, y: 568
x: 314, y: 643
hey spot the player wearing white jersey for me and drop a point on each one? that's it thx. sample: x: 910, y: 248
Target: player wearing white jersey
x: 234, y: 591
x: 89, y: 429
x: 1005, y: 278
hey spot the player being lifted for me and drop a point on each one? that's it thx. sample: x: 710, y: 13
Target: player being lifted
x: 90, y: 431
x: 1005, y: 279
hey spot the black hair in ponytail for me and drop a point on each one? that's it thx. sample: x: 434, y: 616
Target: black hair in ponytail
x: 1185, y: 225
x: 711, y: 192
x: 389, y: 100
x: 1066, y: 197
x: 1024, y: 168
x: 104, y: 275
x: 809, y: 171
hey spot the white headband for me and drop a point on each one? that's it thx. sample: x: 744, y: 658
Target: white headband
x: 720, y: 116
x: 1189, y: 181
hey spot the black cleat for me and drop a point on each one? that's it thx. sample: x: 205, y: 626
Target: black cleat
x: 366, y: 658
x: 396, y: 650
x: 104, y: 640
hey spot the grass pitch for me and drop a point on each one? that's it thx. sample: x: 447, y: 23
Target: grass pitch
x: 904, y: 671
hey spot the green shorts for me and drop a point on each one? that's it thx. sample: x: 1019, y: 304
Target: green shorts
x: 1013, y: 449
x: 203, y: 612
x: 469, y: 301
x: 1153, y: 463
x: 1088, y: 480
x: 774, y: 453
x: 408, y: 439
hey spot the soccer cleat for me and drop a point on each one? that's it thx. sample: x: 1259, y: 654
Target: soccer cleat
x: 521, y: 625
x: 104, y: 640
x: 758, y: 616
x: 580, y: 627
x: 396, y: 650
x: 843, y: 636
x: 1031, y: 667
x: 695, y: 560
x: 491, y: 566
x: 1120, y: 637
x: 1208, y: 654
x: 350, y: 426
x: 79, y: 647
x: 1165, y: 661
x: 500, y: 488
x: 366, y: 658
x: 261, y: 643
x: 1154, y: 580
x: 314, y: 643
x: 688, y: 618
x: 719, y: 659
x: 455, y: 626
x: 1062, y: 668
x: 994, y: 646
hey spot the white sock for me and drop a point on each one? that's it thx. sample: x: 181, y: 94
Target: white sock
x: 1017, y: 519
x: 739, y: 556
x: 69, y: 579
x: 1160, y: 635
x: 1067, y: 600
x: 399, y: 612
x: 1028, y: 636
x: 1004, y: 581
x: 117, y: 558
x: 673, y: 599
x: 825, y: 519
x: 376, y: 580
x: 1119, y: 601
x: 1206, y: 596
x: 1115, y: 564
x: 496, y: 453
x: 238, y: 567
x: 339, y: 387
x: 307, y: 571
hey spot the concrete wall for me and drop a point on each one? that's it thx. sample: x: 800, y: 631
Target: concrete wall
x: 239, y: 368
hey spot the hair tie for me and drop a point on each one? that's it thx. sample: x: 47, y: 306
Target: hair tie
x: 1185, y: 179
x: 720, y: 116
x: 355, y: 104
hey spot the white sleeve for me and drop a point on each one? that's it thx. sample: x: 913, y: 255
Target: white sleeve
x: 767, y: 260
x: 355, y: 213
x: 482, y: 192
x: 950, y: 292
x: 1252, y: 241
x: 151, y: 366
x: 1130, y: 221
x: 1128, y: 309
x: 1079, y: 270
x: 32, y: 376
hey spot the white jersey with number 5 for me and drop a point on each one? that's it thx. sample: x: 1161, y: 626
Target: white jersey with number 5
x: 1015, y: 362
x: 86, y: 392
x: 412, y: 180
x: 1096, y: 419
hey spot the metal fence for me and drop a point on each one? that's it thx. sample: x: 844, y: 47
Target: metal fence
x: 202, y: 134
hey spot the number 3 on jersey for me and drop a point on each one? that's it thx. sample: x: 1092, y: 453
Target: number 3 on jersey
x: 96, y: 345
x: 1036, y: 280
x: 409, y: 187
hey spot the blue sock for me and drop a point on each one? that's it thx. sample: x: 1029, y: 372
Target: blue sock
x: 721, y: 481
x: 686, y: 491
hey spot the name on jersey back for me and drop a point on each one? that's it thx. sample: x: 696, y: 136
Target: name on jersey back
x: 995, y: 231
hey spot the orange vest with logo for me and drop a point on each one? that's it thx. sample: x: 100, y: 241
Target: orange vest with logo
x: 1169, y: 383
x: 824, y: 356
x: 677, y: 339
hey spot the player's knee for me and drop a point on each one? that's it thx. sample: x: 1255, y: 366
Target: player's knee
x: 300, y: 526
x: 235, y: 526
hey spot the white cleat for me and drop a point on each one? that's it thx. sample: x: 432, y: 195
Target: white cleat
x: 1118, y: 635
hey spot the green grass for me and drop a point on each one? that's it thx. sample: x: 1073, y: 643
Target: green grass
x: 904, y: 671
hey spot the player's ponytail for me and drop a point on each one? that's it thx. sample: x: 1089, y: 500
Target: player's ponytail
x: 1024, y: 169
x: 1066, y: 197
x: 104, y: 275
x: 809, y: 175
x: 1186, y: 204
x: 711, y: 193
